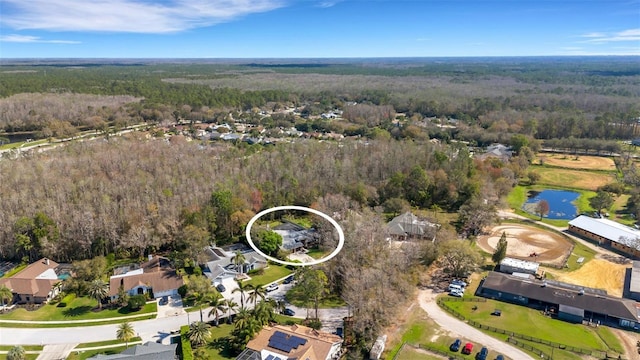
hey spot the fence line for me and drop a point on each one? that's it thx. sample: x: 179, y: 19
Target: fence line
x: 582, y: 351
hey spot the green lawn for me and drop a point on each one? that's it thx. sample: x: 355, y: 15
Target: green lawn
x: 75, y: 309
x: 328, y: 302
x: 579, y: 250
x: 270, y: 274
x: 82, y: 355
x: 26, y: 347
x: 28, y: 357
x: 409, y: 352
x: 106, y: 342
x: 522, y: 320
x: 317, y: 253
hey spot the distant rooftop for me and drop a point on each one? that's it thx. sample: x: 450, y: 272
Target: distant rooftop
x: 609, y: 229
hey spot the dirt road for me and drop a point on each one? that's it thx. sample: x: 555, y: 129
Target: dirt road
x: 426, y: 299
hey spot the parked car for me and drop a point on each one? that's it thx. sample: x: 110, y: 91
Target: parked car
x: 288, y: 280
x: 467, y: 349
x: 455, y: 346
x: 496, y: 312
x: 164, y: 300
x: 221, y: 288
x: 459, y: 283
x: 455, y: 287
x: 499, y: 357
x: 272, y: 287
x: 482, y: 355
x: 456, y: 293
x: 289, y: 312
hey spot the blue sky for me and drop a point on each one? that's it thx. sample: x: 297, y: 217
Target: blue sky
x: 316, y: 28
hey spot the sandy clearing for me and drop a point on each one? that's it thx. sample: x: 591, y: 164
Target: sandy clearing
x: 582, y: 162
x: 598, y: 273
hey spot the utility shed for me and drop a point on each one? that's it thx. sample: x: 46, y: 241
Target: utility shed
x: 511, y: 265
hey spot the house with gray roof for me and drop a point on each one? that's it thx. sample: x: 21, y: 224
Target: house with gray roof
x: 607, y: 232
x: 295, y: 237
x: 498, y: 151
x: 149, y: 351
x: 221, y: 262
x: 569, y: 302
x: 408, y: 226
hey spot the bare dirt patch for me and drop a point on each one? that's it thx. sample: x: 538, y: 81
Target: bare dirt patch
x: 523, y: 240
x: 598, y: 273
x: 580, y: 162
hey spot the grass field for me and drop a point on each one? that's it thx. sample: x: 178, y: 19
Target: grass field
x: 522, y: 320
x: 409, y: 352
x: 580, y: 162
x: 106, y: 342
x: 568, y: 178
x: 270, y: 274
x: 598, y: 273
x: 75, y: 309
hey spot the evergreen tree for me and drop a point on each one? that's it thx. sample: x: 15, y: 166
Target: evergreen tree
x: 501, y: 249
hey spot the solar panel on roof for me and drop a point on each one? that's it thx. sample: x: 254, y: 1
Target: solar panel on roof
x: 270, y: 357
x: 279, y: 345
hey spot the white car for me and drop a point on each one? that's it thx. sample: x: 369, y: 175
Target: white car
x: 456, y: 293
x: 272, y: 287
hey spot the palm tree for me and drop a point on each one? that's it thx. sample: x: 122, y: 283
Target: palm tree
x: 246, y: 325
x: 263, y: 312
x: 238, y: 261
x: 199, y: 333
x: 231, y: 306
x: 217, y: 306
x: 258, y: 292
x: 98, y: 290
x: 6, y: 295
x: 243, y: 288
x: 16, y: 353
x: 125, y: 332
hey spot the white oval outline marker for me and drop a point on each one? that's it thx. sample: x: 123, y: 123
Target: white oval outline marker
x: 302, y: 208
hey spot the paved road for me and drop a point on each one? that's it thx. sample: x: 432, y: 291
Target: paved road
x: 426, y: 299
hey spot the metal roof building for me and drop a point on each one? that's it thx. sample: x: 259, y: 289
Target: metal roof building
x: 607, y: 232
x: 511, y: 265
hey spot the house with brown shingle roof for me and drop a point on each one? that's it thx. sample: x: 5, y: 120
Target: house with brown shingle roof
x: 35, y: 284
x: 295, y: 342
x: 154, y: 277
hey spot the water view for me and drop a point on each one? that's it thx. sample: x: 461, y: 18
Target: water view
x: 561, y: 204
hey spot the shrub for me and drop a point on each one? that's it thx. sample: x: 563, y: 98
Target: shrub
x: 185, y: 345
x: 136, y: 302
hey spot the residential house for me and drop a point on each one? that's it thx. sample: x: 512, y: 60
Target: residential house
x: 149, y: 351
x: 294, y: 342
x: 35, y: 284
x: 607, y: 232
x: 295, y: 237
x: 155, y: 277
x: 498, y: 151
x: 573, y: 303
x: 221, y: 264
x: 408, y: 226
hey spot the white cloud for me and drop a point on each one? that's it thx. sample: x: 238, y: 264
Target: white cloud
x: 328, y: 3
x: 625, y: 35
x: 16, y: 38
x: 135, y: 16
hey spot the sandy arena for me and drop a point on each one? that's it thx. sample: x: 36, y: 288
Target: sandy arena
x: 582, y: 162
x: 524, y: 240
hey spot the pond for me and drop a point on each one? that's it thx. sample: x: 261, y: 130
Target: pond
x: 561, y: 204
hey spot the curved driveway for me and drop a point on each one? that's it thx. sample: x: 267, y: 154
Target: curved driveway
x: 426, y: 299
